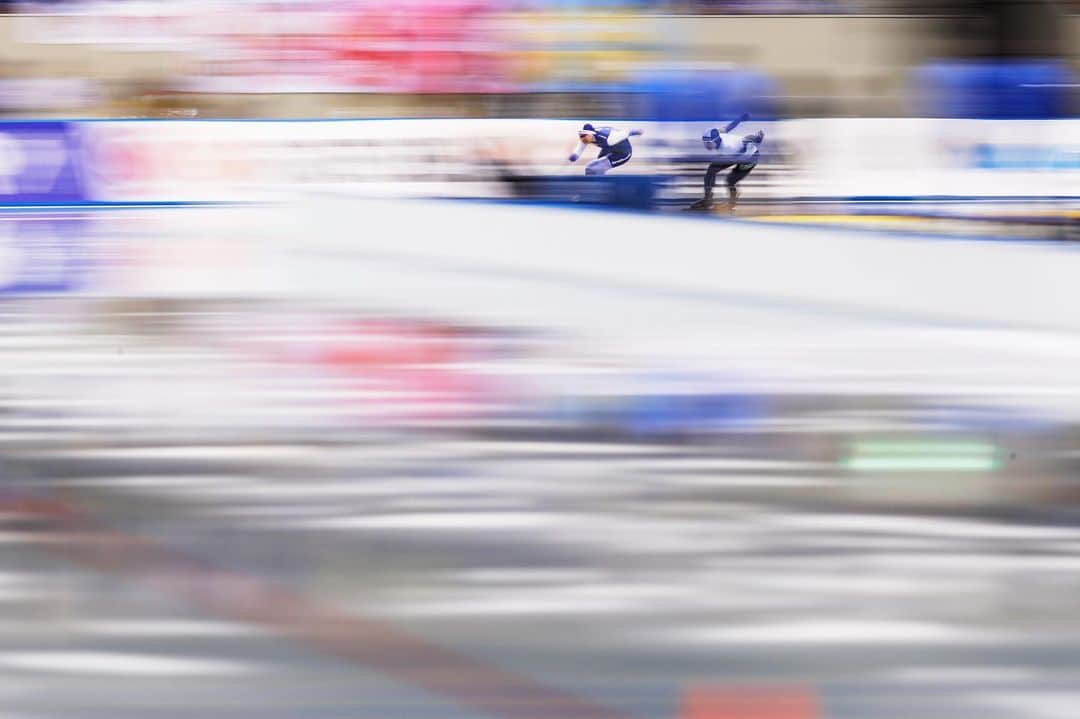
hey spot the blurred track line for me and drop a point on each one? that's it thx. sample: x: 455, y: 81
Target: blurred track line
x: 371, y: 644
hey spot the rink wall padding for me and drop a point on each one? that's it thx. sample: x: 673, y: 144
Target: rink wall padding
x: 176, y: 161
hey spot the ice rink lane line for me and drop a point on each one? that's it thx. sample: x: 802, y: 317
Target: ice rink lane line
x: 370, y: 643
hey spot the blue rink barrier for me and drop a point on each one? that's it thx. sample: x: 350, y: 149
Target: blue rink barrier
x: 638, y: 192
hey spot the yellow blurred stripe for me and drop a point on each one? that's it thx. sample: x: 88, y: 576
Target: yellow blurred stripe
x: 838, y: 219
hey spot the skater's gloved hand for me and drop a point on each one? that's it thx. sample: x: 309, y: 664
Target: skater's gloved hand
x: 637, y: 132
x: 573, y: 157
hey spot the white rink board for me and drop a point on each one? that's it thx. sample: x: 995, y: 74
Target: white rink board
x: 920, y: 157
x: 241, y: 160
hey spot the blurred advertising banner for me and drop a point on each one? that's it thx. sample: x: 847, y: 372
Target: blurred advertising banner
x: 250, y: 160
x: 177, y: 161
x: 39, y: 162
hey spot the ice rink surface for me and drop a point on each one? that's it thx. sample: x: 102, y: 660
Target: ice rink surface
x: 199, y: 519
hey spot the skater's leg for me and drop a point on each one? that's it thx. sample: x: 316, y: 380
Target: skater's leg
x: 598, y: 166
x: 618, y: 160
x: 710, y: 181
x: 741, y: 171
x: 733, y: 178
x: 710, y: 176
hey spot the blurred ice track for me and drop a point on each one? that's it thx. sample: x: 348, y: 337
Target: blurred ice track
x: 620, y: 573
x: 853, y: 309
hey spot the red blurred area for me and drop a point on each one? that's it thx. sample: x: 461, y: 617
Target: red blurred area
x: 423, y: 46
x: 759, y: 702
x: 412, y: 369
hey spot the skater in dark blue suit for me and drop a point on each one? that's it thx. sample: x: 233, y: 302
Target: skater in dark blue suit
x: 614, y: 144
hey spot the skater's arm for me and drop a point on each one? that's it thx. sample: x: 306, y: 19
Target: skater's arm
x: 636, y: 131
x: 750, y: 147
x: 735, y: 123
x: 577, y: 152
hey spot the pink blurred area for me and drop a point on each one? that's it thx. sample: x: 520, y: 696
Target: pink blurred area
x: 419, y: 46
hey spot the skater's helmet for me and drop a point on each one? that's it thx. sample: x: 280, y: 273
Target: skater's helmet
x: 587, y: 131
x: 711, y: 139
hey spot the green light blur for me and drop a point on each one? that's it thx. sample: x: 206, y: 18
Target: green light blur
x: 923, y: 456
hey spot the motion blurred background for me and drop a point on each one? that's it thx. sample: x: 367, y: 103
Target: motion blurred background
x: 538, y: 58
x: 329, y: 389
